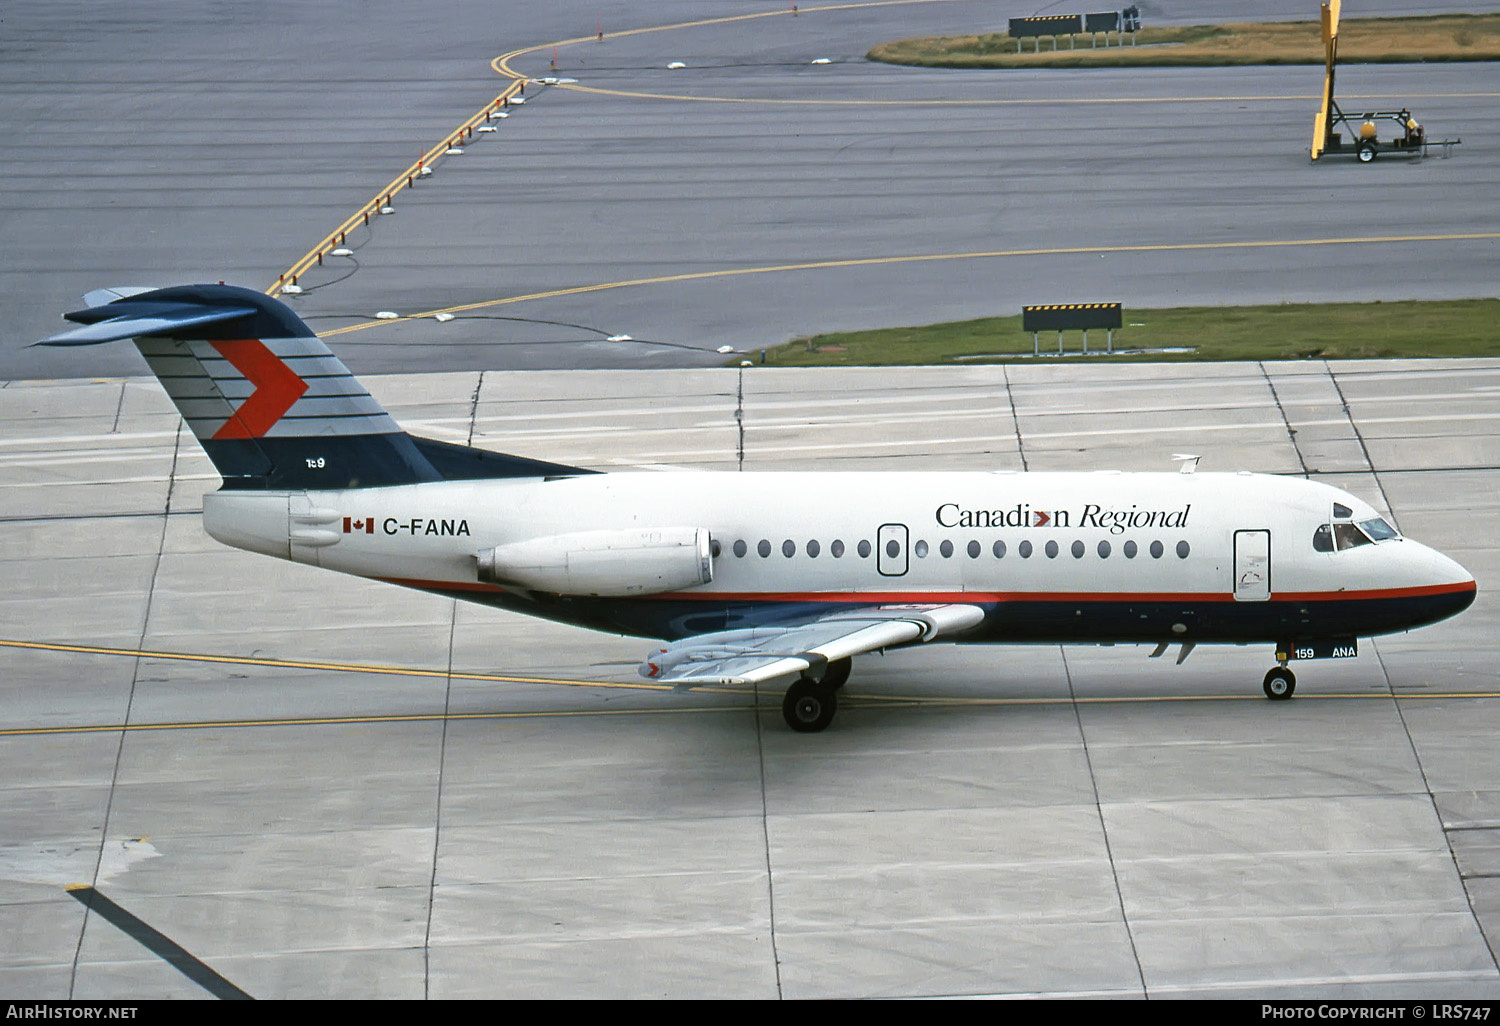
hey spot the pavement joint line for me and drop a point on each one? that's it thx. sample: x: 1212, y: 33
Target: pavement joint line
x: 1109, y: 852
x: 818, y: 265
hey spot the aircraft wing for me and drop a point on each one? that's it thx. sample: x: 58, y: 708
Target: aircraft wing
x: 765, y: 653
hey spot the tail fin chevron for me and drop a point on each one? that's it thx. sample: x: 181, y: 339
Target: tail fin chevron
x: 270, y: 404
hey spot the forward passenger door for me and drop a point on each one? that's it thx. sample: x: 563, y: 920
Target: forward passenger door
x: 1252, y: 566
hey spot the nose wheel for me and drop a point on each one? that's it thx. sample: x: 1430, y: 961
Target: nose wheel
x: 1279, y: 684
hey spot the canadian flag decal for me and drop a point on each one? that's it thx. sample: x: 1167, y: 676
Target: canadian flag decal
x: 359, y: 525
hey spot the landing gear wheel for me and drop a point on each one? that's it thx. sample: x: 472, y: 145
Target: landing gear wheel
x: 1279, y: 684
x: 809, y: 706
x: 837, y: 673
x: 1365, y: 152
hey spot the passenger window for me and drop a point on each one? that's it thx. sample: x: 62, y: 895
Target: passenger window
x: 714, y: 547
x: 788, y: 548
x: 1156, y: 550
x: 740, y: 548
x: 1078, y: 550
x: 920, y: 549
x: 864, y: 550
x: 1024, y: 549
x: 1052, y: 550
x: 1323, y: 538
x: 946, y: 549
x: 1182, y: 550
x: 812, y: 549
x: 999, y: 549
x: 1104, y: 550
x: 764, y: 548
x: 974, y: 550
x: 837, y: 548
x: 1130, y: 550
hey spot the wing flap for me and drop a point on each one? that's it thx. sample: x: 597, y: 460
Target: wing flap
x: 766, y: 653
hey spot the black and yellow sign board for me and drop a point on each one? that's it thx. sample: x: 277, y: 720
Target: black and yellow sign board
x: 1071, y: 317
x: 1047, y: 25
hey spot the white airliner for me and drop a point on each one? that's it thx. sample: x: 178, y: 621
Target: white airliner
x: 752, y: 577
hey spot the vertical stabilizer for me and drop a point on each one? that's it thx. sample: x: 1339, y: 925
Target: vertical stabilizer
x: 270, y: 404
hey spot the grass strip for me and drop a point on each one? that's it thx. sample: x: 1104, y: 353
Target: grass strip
x: 1443, y: 37
x: 1288, y: 331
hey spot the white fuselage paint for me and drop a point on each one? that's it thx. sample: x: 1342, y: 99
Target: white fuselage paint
x: 429, y: 535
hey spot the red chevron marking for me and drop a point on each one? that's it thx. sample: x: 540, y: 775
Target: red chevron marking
x: 277, y: 387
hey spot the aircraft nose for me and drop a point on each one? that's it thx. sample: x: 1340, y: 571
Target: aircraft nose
x: 1450, y: 588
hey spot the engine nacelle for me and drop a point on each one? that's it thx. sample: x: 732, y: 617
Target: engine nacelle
x: 644, y: 561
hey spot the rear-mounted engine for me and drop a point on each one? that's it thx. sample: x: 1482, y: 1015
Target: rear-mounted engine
x: 603, y: 563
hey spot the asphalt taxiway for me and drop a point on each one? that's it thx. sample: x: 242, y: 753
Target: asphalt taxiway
x: 318, y: 786
x: 745, y: 199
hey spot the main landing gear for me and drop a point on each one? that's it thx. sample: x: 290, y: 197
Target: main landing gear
x: 1280, y: 683
x: 810, y: 704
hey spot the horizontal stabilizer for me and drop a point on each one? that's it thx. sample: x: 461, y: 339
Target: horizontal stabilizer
x: 143, y: 319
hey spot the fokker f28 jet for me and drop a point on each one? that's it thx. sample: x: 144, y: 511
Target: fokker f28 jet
x: 750, y: 577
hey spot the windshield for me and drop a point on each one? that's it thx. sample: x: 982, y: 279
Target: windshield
x: 1338, y: 537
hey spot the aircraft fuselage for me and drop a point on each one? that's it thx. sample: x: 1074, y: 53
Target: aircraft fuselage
x: 1101, y: 557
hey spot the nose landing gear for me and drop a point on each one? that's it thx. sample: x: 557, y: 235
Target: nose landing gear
x: 1280, y: 683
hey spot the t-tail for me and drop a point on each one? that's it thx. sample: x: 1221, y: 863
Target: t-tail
x: 272, y: 407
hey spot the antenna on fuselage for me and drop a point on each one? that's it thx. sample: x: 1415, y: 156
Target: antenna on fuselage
x: 1189, y: 463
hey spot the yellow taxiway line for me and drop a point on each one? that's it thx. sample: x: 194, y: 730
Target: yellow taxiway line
x: 858, y: 700
x: 297, y: 664
x: 992, y: 102
x: 501, y: 64
x: 918, y: 259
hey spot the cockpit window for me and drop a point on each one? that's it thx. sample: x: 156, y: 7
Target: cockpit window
x: 1378, y: 529
x: 1347, y: 536
x: 1331, y: 537
x: 1342, y: 512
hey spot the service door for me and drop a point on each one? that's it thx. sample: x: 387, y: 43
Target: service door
x: 1252, y: 566
x: 890, y: 549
